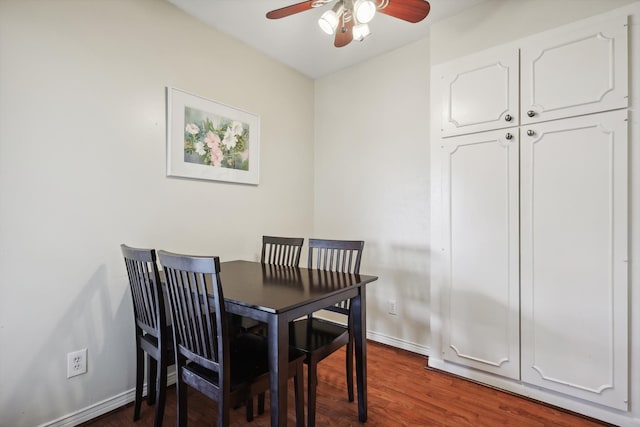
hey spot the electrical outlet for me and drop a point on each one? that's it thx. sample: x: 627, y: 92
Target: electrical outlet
x: 392, y: 307
x: 77, y: 363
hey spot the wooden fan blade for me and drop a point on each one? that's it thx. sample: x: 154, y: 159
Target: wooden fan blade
x: 345, y: 37
x: 408, y: 10
x: 344, y: 34
x: 290, y: 10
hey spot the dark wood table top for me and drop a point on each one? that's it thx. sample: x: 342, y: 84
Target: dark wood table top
x: 278, y: 289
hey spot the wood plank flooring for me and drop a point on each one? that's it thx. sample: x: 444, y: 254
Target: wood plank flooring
x: 401, y: 393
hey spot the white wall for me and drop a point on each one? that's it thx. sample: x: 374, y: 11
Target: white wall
x: 82, y: 169
x: 372, y: 180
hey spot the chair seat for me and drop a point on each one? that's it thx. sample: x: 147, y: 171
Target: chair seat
x: 309, y: 335
x: 249, y: 361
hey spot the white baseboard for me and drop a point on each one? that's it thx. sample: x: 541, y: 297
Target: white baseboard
x: 100, y: 408
x: 384, y: 339
x: 612, y: 416
x: 401, y: 344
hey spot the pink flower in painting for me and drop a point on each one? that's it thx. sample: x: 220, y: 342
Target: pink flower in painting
x: 244, y: 155
x: 212, y: 139
x: 216, y: 155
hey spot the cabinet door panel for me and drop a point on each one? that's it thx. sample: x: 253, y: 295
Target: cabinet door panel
x: 480, y: 92
x: 574, y: 257
x: 583, y: 71
x: 481, y: 316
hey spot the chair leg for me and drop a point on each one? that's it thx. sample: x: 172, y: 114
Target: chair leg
x: 161, y: 392
x: 312, y: 382
x: 152, y: 366
x: 139, y: 383
x: 349, y: 369
x: 299, y: 394
x: 224, y: 410
x: 249, y: 408
x: 181, y: 397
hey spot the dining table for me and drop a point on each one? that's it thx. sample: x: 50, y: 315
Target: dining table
x: 277, y: 295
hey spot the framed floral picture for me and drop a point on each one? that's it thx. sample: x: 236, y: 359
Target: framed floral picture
x: 210, y: 140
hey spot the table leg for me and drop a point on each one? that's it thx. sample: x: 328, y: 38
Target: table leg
x: 359, y: 313
x: 278, y: 333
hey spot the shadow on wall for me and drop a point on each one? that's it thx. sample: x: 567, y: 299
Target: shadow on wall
x: 403, y: 277
x: 90, y: 322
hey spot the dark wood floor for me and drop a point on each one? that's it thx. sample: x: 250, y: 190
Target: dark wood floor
x: 401, y: 393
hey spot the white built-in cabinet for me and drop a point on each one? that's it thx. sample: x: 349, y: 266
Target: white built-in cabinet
x: 573, y: 254
x: 574, y: 72
x: 480, y: 92
x: 481, y: 216
x: 534, y: 193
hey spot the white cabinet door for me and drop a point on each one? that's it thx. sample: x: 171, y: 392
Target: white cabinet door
x: 571, y: 73
x: 480, y: 92
x: 574, y: 257
x: 480, y: 198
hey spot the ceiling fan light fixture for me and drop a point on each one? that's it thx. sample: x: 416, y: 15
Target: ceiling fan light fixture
x: 348, y: 19
x: 329, y: 22
x: 331, y: 18
x: 361, y: 31
x: 364, y: 10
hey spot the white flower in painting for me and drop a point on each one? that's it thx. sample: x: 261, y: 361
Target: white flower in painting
x: 192, y: 128
x: 229, y: 139
x: 199, y: 146
x: 236, y: 128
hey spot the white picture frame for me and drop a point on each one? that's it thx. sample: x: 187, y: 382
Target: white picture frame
x: 210, y: 140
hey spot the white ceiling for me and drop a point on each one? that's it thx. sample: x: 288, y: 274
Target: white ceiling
x: 298, y: 41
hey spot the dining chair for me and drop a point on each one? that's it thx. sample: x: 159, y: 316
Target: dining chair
x: 281, y: 251
x: 225, y: 368
x: 276, y: 251
x: 153, y: 333
x: 316, y: 337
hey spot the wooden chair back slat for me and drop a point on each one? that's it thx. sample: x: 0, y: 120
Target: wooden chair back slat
x: 342, y: 256
x: 335, y: 255
x: 146, y: 291
x: 281, y: 250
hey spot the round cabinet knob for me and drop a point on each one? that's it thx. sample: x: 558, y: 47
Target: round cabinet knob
x: 531, y: 113
x: 508, y: 118
x: 530, y: 132
x: 509, y: 136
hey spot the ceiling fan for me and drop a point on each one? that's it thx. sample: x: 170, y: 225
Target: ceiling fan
x: 348, y: 19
